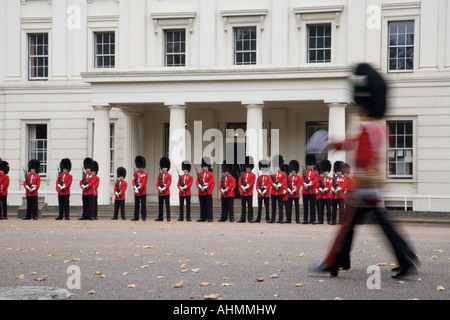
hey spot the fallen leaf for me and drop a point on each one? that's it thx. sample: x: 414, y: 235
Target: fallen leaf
x: 298, y: 285
x: 97, y: 273
x: 225, y: 278
x: 196, y: 270
x: 144, y: 266
x: 184, y: 270
x: 43, y: 278
x: 178, y: 285
x: 382, y: 264
x: 125, y: 273
x: 438, y: 250
x: 274, y: 276
x: 119, y: 256
x: 440, y: 288
x: 20, y: 276
x: 225, y: 284
x: 276, y: 295
x: 259, y: 279
x: 205, y: 284
x: 361, y: 251
x: 33, y: 273
x: 213, y: 296
x: 147, y: 247
x: 91, y: 292
x: 281, y: 270
x: 301, y: 254
x: 131, y: 286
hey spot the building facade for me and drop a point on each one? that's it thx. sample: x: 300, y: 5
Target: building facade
x: 112, y: 79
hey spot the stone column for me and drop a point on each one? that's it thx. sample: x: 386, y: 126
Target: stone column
x: 131, y: 149
x: 336, y: 129
x: 102, y: 152
x: 177, y: 145
x: 254, y: 134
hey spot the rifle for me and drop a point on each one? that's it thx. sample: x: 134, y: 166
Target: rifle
x: 275, y: 181
x: 85, y: 181
x: 335, y: 184
x: 224, y: 185
x: 118, y: 190
x: 26, y: 178
x: 200, y: 180
x: 289, y: 182
x: 261, y: 187
x: 182, y: 184
x: 161, y: 181
x: 305, y: 177
x: 322, y: 185
x: 60, y: 180
x: 136, y: 181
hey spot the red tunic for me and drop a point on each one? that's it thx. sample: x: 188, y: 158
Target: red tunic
x: 187, y: 180
x: 123, y: 188
x: 281, y: 177
x: 142, y: 178
x: 265, y: 181
x: 35, y: 181
x: 89, y: 190
x: 250, y: 178
x: 167, y: 181
x: 67, y: 182
x: 208, y: 182
x: 5, y: 185
x: 296, y: 184
x: 230, y: 184
x: 313, y: 177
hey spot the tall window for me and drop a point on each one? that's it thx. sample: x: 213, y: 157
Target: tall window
x: 175, y: 55
x: 38, y: 56
x: 244, y: 46
x: 319, y: 43
x: 401, y: 46
x: 400, y: 149
x: 37, y: 145
x: 105, y: 49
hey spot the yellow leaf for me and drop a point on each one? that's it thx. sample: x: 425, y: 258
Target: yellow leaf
x: 259, y: 279
x: 213, y: 296
x: 274, y: 276
x: 97, y: 273
x: 298, y: 285
x: 382, y: 264
x: 91, y: 292
x: 178, y: 285
x: 20, y: 276
x: 227, y: 284
x: 440, y: 288
x: 131, y: 286
x: 205, y: 284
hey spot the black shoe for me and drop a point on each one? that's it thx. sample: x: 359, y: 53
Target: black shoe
x: 410, y: 268
x: 67, y: 218
x: 200, y: 220
x: 231, y: 220
x: 188, y: 220
x: 134, y: 219
x: 210, y: 220
x: 58, y: 218
x: 181, y: 219
x: 287, y: 221
x: 270, y: 221
x: 143, y: 219
x: 240, y: 221
x: 158, y: 219
x: 305, y: 222
x: 221, y: 220
x: 35, y: 218
x: 279, y: 221
x: 113, y: 218
x: 332, y: 270
x: 25, y: 218
x: 81, y: 218
x: 256, y: 221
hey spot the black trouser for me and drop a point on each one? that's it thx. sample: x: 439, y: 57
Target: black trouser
x: 161, y: 201
x: 188, y: 207
x: 32, y: 207
x: 205, y: 207
x: 143, y: 204
x: 340, y: 252
x: 119, y: 204
x: 247, y: 208
x: 95, y: 210
x: 334, y: 204
x: 88, y: 207
x: 322, y: 204
x: 227, y: 209
x: 4, y: 206
x: 1, y: 207
x: 64, y: 205
x: 277, y: 199
x: 309, y: 207
x: 289, y: 209
x: 266, y: 204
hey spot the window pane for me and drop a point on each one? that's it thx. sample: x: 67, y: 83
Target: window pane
x: 104, y: 55
x: 401, y: 46
x: 245, y: 45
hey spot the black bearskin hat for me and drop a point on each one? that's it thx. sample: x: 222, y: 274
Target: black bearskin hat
x: 310, y: 159
x: 249, y: 162
x: 65, y: 164
x: 164, y: 162
x: 346, y: 168
x: 186, y: 165
x: 4, y: 166
x: 294, y: 166
x: 264, y: 164
x: 285, y: 169
x: 370, y: 90
x: 325, y: 165
x: 278, y: 161
x: 140, y: 162
x: 87, y: 163
x: 121, y: 172
x: 206, y: 162
x: 226, y: 167
x: 34, y: 164
x: 338, y: 166
x: 94, y: 166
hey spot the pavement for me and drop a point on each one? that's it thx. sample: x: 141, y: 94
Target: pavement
x: 188, y: 261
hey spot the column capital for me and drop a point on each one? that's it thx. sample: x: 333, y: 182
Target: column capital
x: 175, y: 105
x: 341, y: 104
x: 102, y: 108
x: 253, y: 103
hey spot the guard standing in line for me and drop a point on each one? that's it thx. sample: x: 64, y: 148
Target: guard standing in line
x: 278, y: 188
x: 325, y: 194
x: 184, y: 185
x: 87, y: 186
x: 205, y: 184
x: 4, y: 189
x: 226, y: 187
x: 338, y: 188
x: 263, y: 184
x: 309, y: 180
x: 246, y: 185
x: 32, y: 183
x: 140, y: 178
x: 96, y: 179
x: 63, y: 183
x: 120, y: 189
x: 2, y: 177
x: 163, y: 183
x: 294, y: 187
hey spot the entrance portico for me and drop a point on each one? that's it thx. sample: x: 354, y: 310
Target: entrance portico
x: 160, y: 105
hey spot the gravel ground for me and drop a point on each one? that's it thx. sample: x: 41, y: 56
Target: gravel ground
x: 124, y: 260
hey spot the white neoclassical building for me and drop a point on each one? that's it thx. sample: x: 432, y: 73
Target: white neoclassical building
x: 112, y: 79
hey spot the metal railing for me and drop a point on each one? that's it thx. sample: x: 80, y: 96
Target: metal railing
x: 405, y: 198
